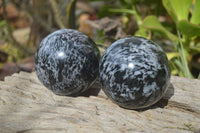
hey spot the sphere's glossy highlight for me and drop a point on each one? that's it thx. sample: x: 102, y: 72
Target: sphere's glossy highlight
x: 67, y: 62
x: 134, y: 72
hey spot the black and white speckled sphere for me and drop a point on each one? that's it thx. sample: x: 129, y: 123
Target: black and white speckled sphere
x: 134, y: 72
x: 67, y: 62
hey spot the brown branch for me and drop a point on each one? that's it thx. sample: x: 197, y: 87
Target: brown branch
x: 38, y: 19
x: 57, y: 14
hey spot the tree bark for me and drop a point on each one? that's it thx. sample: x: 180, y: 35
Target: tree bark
x: 26, y: 106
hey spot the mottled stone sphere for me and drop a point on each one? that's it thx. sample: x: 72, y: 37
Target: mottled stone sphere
x: 134, y: 72
x: 67, y: 62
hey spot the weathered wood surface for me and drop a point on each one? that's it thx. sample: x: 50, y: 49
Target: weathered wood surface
x: 26, y: 106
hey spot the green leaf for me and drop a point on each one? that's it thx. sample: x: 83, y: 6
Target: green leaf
x: 188, y: 28
x: 172, y: 55
x: 197, y: 49
x: 168, y: 6
x: 179, y: 8
x: 141, y: 32
x: 103, y: 12
x: 198, y: 44
x: 196, y: 13
x: 122, y: 11
x: 152, y: 23
x: 71, y: 14
x: 2, y: 23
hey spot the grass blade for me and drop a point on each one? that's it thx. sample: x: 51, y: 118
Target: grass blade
x: 184, y: 62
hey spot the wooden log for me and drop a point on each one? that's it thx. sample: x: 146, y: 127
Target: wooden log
x: 26, y: 106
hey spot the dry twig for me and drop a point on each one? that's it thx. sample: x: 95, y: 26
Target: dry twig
x: 57, y: 14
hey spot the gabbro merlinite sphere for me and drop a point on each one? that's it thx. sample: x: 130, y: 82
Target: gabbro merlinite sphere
x: 134, y: 72
x: 67, y: 61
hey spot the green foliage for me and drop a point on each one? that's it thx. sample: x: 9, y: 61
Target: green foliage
x: 177, y: 9
x: 15, y: 54
x: 127, y: 8
x: 196, y: 13
x: 71, y: 14
x: 183, y: 60
x: 2, y: 23
x: 183, y: 32
x: 188, y: 30
x: 3, y: 30
x: 152, y: 23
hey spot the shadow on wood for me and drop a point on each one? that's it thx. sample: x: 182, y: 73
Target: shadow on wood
x: 93, y: 90
x: 26, y: 106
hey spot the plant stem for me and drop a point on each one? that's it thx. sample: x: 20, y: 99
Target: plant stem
x: 71, y: 23
x: 122, y: 11
x: 57, y: 14
x: 184, y: 62
x: 38, y: 19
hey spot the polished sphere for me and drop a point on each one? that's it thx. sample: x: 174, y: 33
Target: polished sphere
x: 134, y: 72
x: 67, y: 62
